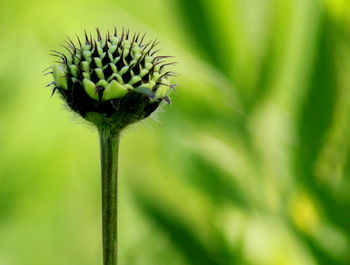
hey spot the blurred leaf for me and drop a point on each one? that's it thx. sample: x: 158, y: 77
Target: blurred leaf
x: 316, y: 120
x: 194, y: 250
x: 204, y: 33
x: 215, y: 183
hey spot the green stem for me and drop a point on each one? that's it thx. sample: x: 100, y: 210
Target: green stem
x: 109, y: 145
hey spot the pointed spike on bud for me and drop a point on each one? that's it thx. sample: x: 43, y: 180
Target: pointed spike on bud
x: 114, y: 40
x: 113, y: 67
x: 103, y: 42
x: 162, y: 91
x: 112, y: 49
x: 103, y: 83
x: 99, y: 50
x: 155, y: 76
x: 53, y: 91
x: 117, y: 77
x: 126, y: 44
x: 85, y: 66
x: 143, y: 72
x: 87, y: 55
x: 126, y: 52
x: 124, y: 70
x: 157, y: 68
x: 103, y: 55
x: 148, y: 59
x: 98, y: 34
x: 59, y: 75
x: 148, y: 66
x: 99, y: 73
x: 86, y: 75
x: 152, y: 83
x: 137, y: 56
x: 74, y: 70
x: 98, y: 62
x: 136, y: 50
x: 167, y: 100
x: 110, y: 56
x: 114, y: 90
x: 53, y: 83
x: 76, y: 59
x: 86, y: 47
x: 165, y: 81
x: 79, y: 41
x: 134, y: 80
x: 90, y: 89
x: 86, y: 37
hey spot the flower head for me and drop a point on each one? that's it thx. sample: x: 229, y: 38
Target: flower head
x: 113, y: 79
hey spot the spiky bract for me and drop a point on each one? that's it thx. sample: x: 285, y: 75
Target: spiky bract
x: 115, y: 79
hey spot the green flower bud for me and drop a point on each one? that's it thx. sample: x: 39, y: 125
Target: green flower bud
x: 115, y: 80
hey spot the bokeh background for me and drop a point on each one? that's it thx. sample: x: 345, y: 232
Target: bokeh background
x: 250, y: 164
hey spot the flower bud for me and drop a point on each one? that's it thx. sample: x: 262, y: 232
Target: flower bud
x: 113, y: 80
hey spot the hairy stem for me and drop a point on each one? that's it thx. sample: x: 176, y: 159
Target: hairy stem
x: 109, y: 145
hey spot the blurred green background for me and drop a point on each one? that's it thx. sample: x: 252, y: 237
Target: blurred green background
x: 250, y: 164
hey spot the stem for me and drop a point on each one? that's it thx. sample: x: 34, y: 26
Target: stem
x: 109, y: 145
